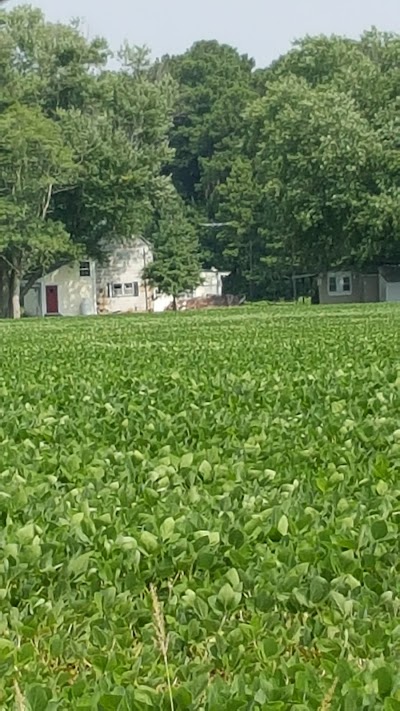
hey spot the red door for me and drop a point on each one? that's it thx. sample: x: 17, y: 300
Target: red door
x: 52, y: 299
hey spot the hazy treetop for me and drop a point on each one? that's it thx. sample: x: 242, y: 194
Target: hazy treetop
x: 262, y: 28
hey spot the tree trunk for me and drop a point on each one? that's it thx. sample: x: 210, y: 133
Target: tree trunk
x: 174, y: 304
x: 4, y: 290
x: 15, y: 295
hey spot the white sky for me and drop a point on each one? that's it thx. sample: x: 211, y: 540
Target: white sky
x: 264, y: 29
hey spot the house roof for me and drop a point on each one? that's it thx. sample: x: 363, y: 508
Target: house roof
x: 144, y: 240
x: 213, y: 270
x: 109, y: 245
x: 390, y: 273
x: 308, y: 275
x: 132, y: 241
x: 389, y: 270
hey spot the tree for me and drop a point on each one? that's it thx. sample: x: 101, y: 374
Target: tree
x: 35, y: 163
x: 365, y: 69
x: 43, y: 67
x: 317, y: 181
x: 258, y: 262
x: 112, y: 124
x: 215, y: 85
x: 321, y: 166
x: 53, y: 66
x: 301, y: 159
x: 121, y: 145
x: 176, y: 267
x: 314, y: 181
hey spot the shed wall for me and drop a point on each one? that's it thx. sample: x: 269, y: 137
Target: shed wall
x: 72, y: 291
x: 365, y: 289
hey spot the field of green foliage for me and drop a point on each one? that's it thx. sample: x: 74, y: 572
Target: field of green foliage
x: 201, y: 511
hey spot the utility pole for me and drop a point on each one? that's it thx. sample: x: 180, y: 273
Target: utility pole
x: 251, y: 268
x: 145, y: 281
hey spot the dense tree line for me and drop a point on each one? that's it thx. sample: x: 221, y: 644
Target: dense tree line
x: 302, y: 159
x: 299, y: 163
x: 82, y: 152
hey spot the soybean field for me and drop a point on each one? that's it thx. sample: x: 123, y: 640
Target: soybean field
x: 201, y: 511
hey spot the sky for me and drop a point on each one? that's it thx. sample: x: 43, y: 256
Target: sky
x: 263, y: 29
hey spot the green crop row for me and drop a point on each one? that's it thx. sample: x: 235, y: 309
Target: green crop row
x: 201, y: 511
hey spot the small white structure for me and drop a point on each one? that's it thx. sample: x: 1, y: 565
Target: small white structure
x: 70, y: 291
x: 389, y: 283
x: 211, y: 284
x: 114, y: 285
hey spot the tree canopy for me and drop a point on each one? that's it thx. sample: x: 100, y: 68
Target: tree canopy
x: 82, y: 146
x: 175, y: 268
x: 298, y: 162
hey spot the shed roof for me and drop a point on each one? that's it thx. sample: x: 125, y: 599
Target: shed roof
x: 308, y: 275
x: 390, y: 273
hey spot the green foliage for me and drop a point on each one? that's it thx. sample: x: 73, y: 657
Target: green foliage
x: 82, y: 148
x: 302, y: 159
x: 34, y: 164
x: 47, y: 65
x: 325, y: 151
x: 245, y: 467
x: 321, y: 167
x: 258, y: 265
x: 175, y: 268
x: 215, y: 85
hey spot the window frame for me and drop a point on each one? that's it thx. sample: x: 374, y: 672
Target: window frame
x: 339, y: 283
x: 124, y: 289
x: 114, y: 286
x: 85, y: 266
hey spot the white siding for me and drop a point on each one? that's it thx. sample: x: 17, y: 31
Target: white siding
x: 393, y: 291
x: 388, y: 290
x: 124, y: 265
x: 32, y: 301
x: 75, y: 293
x: 212, y: 284
x: 72, y: 289
x: 161, y: 303
x: 382, y: 288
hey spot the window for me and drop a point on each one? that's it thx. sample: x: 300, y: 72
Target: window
x: 339, y: 283
x: 127, y: 289
x: 347, y: 284
x: 84, y: 269
x: 131, y: 289
x: 117, y: 289
x: 332, y: 284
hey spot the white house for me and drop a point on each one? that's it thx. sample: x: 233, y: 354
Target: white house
x: 115, y: 285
